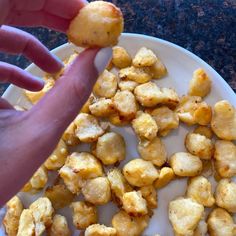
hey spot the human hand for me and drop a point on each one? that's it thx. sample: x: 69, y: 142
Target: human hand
x: 27, y: 138
x: 55, y: 14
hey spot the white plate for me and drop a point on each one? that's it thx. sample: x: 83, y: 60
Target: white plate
x: 180, y: 64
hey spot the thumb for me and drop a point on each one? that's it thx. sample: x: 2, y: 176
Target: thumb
x: 61, y: 104
x: 35, y: 133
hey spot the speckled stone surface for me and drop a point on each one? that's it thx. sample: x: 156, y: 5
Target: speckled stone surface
x: 206, y: 28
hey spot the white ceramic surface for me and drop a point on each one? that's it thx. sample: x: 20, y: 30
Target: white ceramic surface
x: 180, y: 64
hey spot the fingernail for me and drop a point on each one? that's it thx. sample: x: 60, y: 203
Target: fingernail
x: 102, y: 59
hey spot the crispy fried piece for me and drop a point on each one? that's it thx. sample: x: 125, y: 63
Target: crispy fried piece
x: 12, y: 217
x: 145, y: 126
x: 140, y: 173
x: 185, y: 164
x: 110, y: 148
x: 106, y: 85
x: 97, y: 191
x: 220, y: 223
x: 118, y: 184
x: 149, y: 95
x: 225, y: 156
x: 120, y: 57
x: 154, y: 151
x: 149, y: 193
x: 199, y: 189
x: 97, y: 24
x: 166, y: 175
x: 26, y: 224
x: 223, y: 122
x: 125, y: 104
x: 144, y: 57
x: 184, y: 215
x: 87, y: 128
x: 100, y: 230
x: 166, y: 119
x: 57, y: 159
x: 59, y: 195
x: 199, y: 145
x: 59, y: 227
x: 124, y: 223
x: 84, y: 214
x: 226, y: 195
x: 134, y: 203
x: 200, y: 84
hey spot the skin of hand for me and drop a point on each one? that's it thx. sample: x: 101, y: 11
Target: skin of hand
x: 27, y: 138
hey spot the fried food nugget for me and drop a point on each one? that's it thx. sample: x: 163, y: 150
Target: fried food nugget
x: 200, y: 84
x: 71, y: 179
x: 125, y: 104
x: 57, y: 159
x: 12, y: 217
x: 140, y: 173
x: 100, y: 230
x: 106, y: 85
x: 158, y: 70
x: 138, y: 75
x: 127, y: 85
x: 97, y: 191
x: 199, y: 145
x: 110, y: 148
x: 154, y: 151
x: 166, y: 119
x: 226, y: 195
x: 124, y: 223
x: 98, y: 24
x: 145, y: 126
x: 69, y: 136
x: 192, y: 110
x: 225, y: 156
x: 119, y: 185
x: 149, y: 95
x: 184, y: 215
x: 84, y: 164
x: 87, y: 128
x: 59, y: 195
x: 59, y: 227
x: 84, y: 214
x: 165, y: 176
x: 220, y: 223
x: 42, y: 212
x: 120, y: 57
x: 223, y: 121
x: 134, y: 203
x: 149, y: 193
x: 199, y: 188
x: 26, y: 224
x: 37, y: 181
x: 102, y: 107
x: 144, y: 57
x: 185, y: 164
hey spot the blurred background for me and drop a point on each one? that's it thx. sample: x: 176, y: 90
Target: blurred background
x: 205, y: 27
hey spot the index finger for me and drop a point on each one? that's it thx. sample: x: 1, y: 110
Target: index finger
x: 54, y: 14
x: 66, y: 9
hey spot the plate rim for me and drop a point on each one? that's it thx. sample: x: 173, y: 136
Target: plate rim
x: 225, y: 86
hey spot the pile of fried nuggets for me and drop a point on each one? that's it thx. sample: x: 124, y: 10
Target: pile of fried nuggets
x: 131, y: 97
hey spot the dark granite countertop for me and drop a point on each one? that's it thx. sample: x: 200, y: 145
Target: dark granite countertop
x: 206, y: 28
